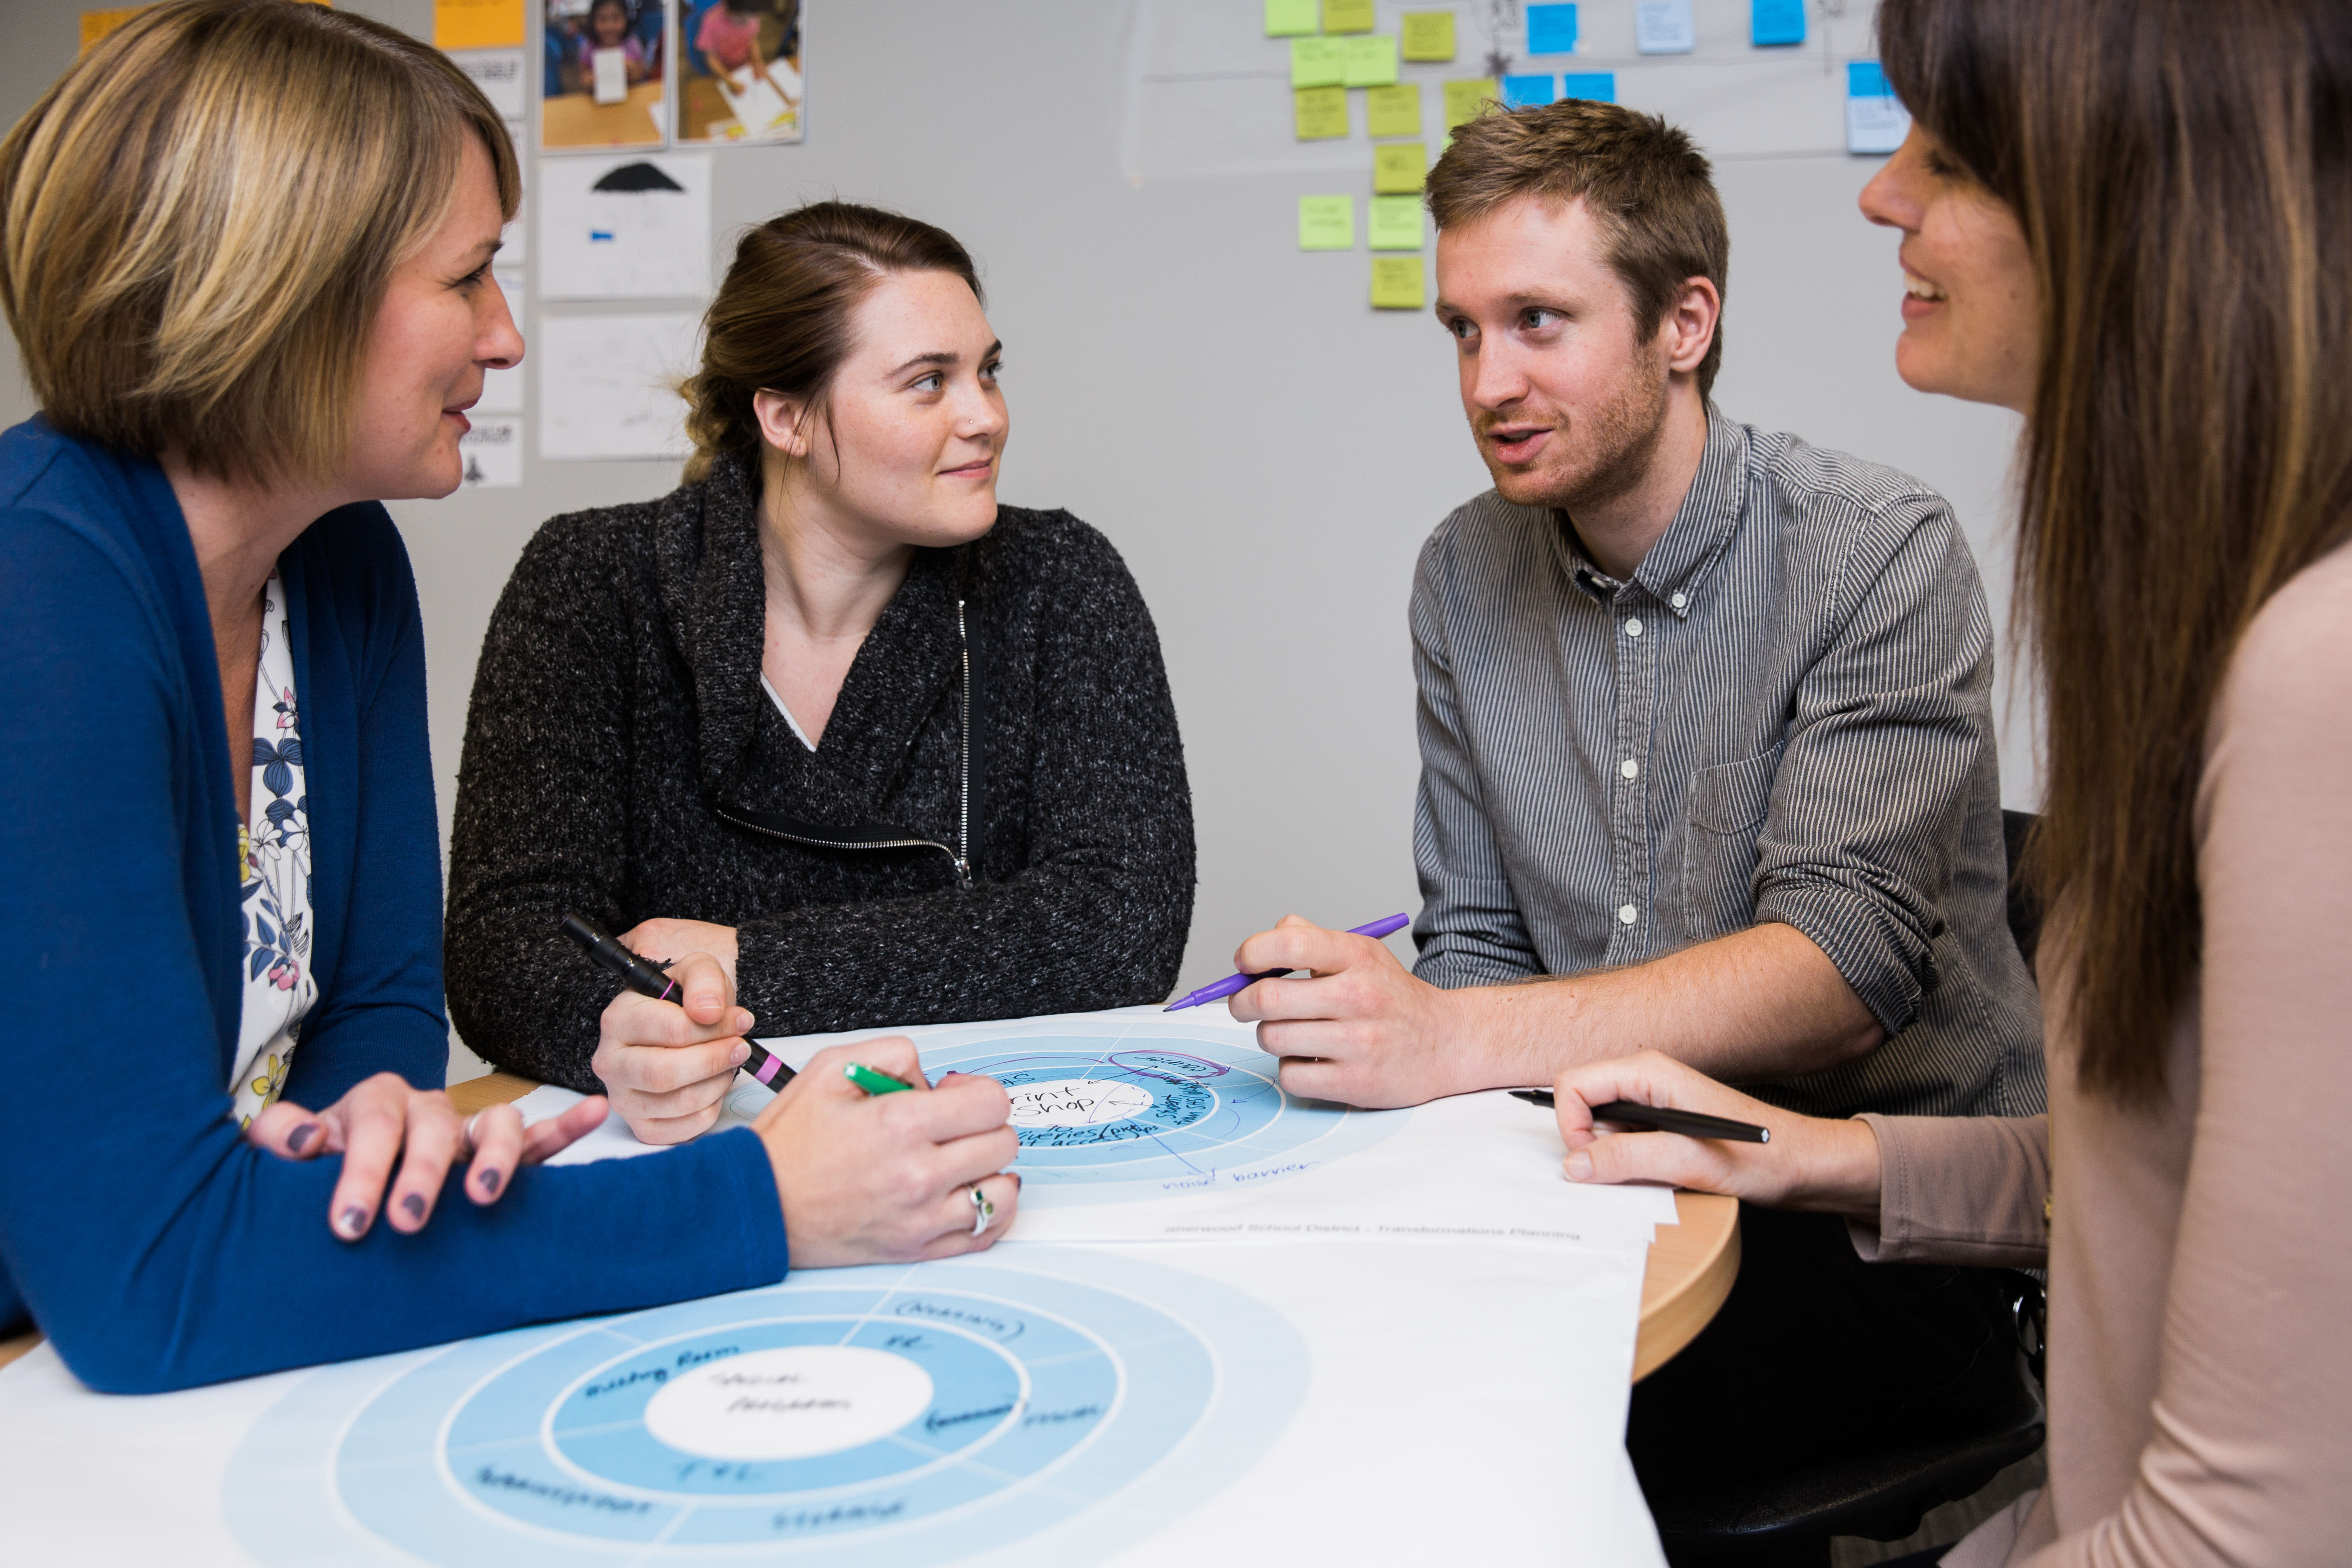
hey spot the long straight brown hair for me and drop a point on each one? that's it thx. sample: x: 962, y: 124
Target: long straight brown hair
x: 2180, y: 170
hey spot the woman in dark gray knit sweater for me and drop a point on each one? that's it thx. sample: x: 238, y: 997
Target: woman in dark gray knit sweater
x: 988, y: 816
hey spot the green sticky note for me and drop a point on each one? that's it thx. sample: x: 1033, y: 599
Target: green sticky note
x: 1395, y: 223
x: 1326, y: 223
x: 1289, y: 18
x: 1369, y: 61
x: 1396, y: 282
x: 1319, y: 113
x: 1428, y: 35
x: 1316, y: 62
x: 1466, y: 100
x: 1393, y: 110
x: 1397, y: 167
x: 1347, y: 16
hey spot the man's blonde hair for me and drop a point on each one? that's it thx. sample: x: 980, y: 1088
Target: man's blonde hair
x: 199, y: 220
x: 1643, y: 181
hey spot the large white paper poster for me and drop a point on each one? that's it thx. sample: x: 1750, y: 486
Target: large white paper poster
x: 635, y: 228
x: 1150, y: 1407
x: 605, y: 385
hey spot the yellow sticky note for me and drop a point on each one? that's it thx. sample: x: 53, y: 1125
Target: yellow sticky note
x: 1393, y: 110
x: 1398, y: 166
x: 1347, y: 16
x: 1289, y: 18
x: 477, y: 24
x: 1466, y: 100
x: 1326, y: 223
x: 1316, y: 62
x: 1395, y: 223
x: 1367, y: 61
x: 95, y: 24
x: 1428, y: 35
x: 1319, y: 113
x: 1396, y: 283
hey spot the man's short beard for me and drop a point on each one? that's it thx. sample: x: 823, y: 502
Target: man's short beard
x: 1618, y: 441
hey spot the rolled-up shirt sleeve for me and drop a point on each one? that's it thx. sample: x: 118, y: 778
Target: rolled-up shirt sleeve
x: 1871, y: 792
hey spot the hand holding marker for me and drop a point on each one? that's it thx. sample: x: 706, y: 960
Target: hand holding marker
x: 1233, y: 983
x: 646, y: 980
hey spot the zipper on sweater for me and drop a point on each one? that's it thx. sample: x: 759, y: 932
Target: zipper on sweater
x: 963, y: 773
x: 960, y: 854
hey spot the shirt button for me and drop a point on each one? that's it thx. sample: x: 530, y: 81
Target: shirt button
x: 1630, y: 768
x: 1633, y: 626
x: 1680, y: 600
x: 1627, y: 914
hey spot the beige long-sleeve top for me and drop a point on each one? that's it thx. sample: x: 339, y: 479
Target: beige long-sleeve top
x: 2201, y: 1251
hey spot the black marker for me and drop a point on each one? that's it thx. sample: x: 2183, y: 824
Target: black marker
x: 1690, y: 1123
x: 646, y: 980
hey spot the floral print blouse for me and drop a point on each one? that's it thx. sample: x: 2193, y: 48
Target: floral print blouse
x: 275, y: 887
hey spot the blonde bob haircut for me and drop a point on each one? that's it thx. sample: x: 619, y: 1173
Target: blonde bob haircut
x: 199, y: 220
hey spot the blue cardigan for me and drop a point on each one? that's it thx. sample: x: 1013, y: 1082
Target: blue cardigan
x: 151, y: 1243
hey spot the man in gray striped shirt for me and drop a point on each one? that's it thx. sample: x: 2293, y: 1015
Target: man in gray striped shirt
x: 1707, y: 742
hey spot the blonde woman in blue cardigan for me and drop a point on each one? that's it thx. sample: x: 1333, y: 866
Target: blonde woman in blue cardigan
x: 234, y: 931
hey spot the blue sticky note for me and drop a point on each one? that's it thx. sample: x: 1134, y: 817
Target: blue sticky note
x: 1773, y: 23
x: 1875, y: 120
x: 1600, y: 87
x: 1552, y: 29
x: 1528, y: 92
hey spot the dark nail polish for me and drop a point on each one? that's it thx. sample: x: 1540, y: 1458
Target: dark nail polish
x: 302, y: 1136
x: 354, y: 1221
x: 490, y: 1181
x: 415, y: 1204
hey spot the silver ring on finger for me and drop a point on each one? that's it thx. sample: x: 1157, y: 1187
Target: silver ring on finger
x: 983, y: 1211
x: 470, y: 1122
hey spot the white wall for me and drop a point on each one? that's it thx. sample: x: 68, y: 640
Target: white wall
x: 1266, y: 452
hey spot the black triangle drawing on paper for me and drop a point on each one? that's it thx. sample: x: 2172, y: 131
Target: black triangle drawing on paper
x: 638, y: 178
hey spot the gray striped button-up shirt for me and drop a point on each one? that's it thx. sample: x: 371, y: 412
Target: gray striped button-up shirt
x: 1785, y: 715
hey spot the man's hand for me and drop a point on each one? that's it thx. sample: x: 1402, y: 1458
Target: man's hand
x: 666, y: 1066
x: 1362, y: 1031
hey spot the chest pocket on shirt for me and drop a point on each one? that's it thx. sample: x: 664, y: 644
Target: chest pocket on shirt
x: 1726, y: 808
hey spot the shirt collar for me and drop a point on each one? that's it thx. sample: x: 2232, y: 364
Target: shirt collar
x: 1704, y: 523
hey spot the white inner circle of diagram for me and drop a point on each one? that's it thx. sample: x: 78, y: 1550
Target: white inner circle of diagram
x: 1077, y: 1102
x: 789, y: 1404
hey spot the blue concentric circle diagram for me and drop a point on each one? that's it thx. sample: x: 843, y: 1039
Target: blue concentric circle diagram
x: 1114, y: 1118
x: 872, y: 1416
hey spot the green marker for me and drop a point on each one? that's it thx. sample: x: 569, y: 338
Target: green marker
x: 873, y: 1083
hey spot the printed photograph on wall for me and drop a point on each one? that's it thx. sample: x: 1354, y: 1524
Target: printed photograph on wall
x: 738, y: 71
x: 603, y: 84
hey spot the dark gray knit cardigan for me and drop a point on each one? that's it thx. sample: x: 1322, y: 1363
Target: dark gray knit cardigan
x: 617, y: 712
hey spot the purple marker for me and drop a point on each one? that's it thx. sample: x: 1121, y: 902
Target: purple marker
x: 646, y: 980
x: 1233, y: 982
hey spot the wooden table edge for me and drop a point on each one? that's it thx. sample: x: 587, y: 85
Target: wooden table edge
x: 1688, y: 1273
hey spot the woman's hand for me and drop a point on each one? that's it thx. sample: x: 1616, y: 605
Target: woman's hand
x: 1811, y: 1163
x: 667, y: 1066
x: 888, y: 1178
x: 383, y: 1117
x: 647, y: 939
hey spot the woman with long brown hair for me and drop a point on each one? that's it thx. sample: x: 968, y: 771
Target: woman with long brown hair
x: 2129, y: 220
